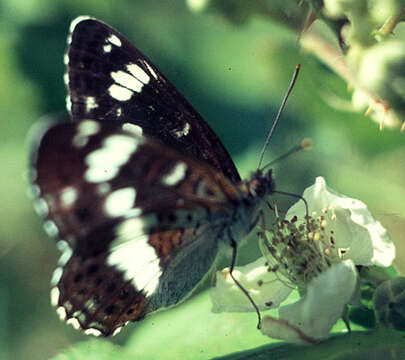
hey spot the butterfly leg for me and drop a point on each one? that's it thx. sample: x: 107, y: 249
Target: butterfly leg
x: 234, y: 246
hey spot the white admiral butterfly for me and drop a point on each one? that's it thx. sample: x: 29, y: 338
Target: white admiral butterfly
x: 138, y: 190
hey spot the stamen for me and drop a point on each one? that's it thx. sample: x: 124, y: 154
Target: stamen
x: 300, y: 249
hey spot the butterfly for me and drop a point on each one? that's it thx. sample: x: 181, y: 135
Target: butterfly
x: 139, y: 192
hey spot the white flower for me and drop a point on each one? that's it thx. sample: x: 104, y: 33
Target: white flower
x: 363, y: 238
x: 265, y: 288
x: 316, y: 254
x: 310, y: 319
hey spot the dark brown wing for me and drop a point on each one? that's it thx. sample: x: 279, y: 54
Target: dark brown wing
x: 138, y: 223
x: 108, y: 79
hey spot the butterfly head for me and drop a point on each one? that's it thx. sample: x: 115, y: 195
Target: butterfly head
x: 261, y: 184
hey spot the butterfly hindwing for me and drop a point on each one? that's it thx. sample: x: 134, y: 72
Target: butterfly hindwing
x: 101, y: 293
x: 132, y: 214
x: 93, y: 295
x: 90, y: 173
x: 108, y: 79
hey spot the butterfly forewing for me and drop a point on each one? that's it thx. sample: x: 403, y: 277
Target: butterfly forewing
x: 108, y: 79
x: 133, y: 215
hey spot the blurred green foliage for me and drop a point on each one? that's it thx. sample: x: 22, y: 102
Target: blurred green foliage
x: 236, y: 76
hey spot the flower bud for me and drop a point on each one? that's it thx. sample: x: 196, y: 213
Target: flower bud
x: 389, y: 303
x: 382, y: 71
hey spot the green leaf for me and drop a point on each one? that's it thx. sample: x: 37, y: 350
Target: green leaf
x: 192, y: 331
x: 356, y: 345
x: 96, y: 349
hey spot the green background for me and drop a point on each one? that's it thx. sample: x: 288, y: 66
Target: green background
x: 235, y: 76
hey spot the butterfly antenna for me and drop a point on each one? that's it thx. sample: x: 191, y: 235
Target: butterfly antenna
x: 239, y: 285
x: 273, y: 127
x: 305, y: 144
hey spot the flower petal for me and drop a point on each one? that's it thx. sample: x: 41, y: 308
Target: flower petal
x: 369, y: 242
x: 318, y: 197
x: 282, y: 329
x: 266, y: 288
x: 354, y: 229
x: 324, y: 302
